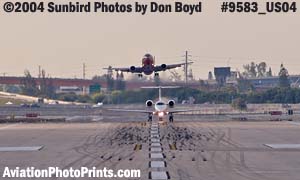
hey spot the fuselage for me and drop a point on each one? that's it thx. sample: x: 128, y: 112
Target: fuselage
x: 160, y: 109
x: 148, y: 64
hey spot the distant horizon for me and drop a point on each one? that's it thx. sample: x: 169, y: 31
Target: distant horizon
x: 128, y: 76
x: 204, y: 75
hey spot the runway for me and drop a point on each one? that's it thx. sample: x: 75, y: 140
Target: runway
x: 191, y: 150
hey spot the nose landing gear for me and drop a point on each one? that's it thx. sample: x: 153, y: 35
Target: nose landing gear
x: 156, y: 74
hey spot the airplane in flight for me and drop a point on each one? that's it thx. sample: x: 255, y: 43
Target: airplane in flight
x: 148, y: 67
x: 161, y: 108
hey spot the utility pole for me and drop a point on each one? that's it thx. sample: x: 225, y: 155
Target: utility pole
x: 83, y: 70
x: 83, y: 75
x: 186, y: 66
x: 39, y: 72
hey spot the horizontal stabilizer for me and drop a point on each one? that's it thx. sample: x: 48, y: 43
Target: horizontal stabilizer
x: 160, y: 87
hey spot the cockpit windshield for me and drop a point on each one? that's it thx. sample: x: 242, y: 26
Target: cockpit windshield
x: 160, y: 103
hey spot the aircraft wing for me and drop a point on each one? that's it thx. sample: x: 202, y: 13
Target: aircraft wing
x: 149, y: 111
x: 182, y: 110
x: 131, y: 69
x: 131, y: 110
x: 212, y: 114
x: 170, y: 66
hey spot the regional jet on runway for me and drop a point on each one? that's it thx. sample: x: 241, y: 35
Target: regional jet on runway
x: 148, y: 67
x: 161, y: 108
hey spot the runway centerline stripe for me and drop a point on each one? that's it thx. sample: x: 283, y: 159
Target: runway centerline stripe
x: 154, y: 135
x: 156, y: 155
x: 156, y: 144
x: 155, y: 140
x: 156, y: 149
x: 159, y: 175
x: 157, y: 164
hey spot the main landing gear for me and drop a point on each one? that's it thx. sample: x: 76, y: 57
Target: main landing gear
x: 150, y: 118
x: 171, y: 118
x: 156, y: 74
x: 140, y: 75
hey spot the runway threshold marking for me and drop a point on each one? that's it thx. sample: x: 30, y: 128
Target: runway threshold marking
x: 16, y: 149
x: 156, y: 155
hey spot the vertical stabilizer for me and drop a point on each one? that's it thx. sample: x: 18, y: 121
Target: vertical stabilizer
x: 159, y: 93
x: 159, y: 89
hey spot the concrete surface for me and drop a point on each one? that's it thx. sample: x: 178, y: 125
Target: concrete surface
x: 204, y: 150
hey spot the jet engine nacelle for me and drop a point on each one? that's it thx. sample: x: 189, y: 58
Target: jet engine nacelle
x: 132, y: 68
x: 149, y: 103
x: 171, y: 103
x: 163, y: 66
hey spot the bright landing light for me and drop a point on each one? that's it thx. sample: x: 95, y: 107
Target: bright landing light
x: 161, y: 114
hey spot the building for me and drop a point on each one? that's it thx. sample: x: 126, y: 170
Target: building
x: 273, y: 81
x: 221, y: 74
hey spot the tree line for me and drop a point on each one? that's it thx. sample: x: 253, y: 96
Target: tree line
x: 116, y: 94
x: 30, y: 86
x: 274, y: 95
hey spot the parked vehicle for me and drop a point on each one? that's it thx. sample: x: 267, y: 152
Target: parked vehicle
x: 35, y: 105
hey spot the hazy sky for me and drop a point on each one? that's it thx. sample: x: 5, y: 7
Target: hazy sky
x: 60, y: 43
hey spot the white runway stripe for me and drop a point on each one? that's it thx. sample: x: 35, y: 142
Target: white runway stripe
x: 159, y: 175
x: 283, y: 146
x: 157, y: 164
x: 156, y: 155
x: 155, y: 144
x: 156, y: 149
x: 154, y: 136
x: 8, y: 126
x: 14, y: 149
x: 155, y: 140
